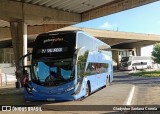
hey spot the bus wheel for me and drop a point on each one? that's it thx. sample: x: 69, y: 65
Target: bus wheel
x: 87, y: 90
x: 150, y: 67
x: 136, y: 68
x: 108, y: 81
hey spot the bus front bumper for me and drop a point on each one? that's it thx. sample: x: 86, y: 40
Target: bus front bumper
x: 35, y: 96
x: 125, y: 68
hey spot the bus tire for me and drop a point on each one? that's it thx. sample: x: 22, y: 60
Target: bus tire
x: 150, y: 67
x: 87, y: 89
x: 136, y: 68
x: 108, y: 80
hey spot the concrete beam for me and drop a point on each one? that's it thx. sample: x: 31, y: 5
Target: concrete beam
x: 141, y: 43
x: 113, y: 37
x: 33, y: 14
x: 5, y: 33
x: 110, y: 37
x: 134, y: 44
x: 116, y: 34
x: 112, y: 42
x: 122, y: 35
x: 113, y: 7
x: 44, y: 28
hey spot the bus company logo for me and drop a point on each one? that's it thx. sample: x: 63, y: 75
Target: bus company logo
x: 21, y: 108
x: 53, y: 40
x: 6, y: 108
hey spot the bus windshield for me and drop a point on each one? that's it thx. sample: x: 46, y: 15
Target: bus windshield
x: 125, y: 59
x: 49, y: 72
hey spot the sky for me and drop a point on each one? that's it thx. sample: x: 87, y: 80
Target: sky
x: 143, y: 19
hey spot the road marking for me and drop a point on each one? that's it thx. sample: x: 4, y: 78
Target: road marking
x: 130, y: 97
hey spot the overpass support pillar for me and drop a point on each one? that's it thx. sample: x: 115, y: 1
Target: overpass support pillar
x: 138, y: 51
x: 19, y: 42
x: 115, y: 59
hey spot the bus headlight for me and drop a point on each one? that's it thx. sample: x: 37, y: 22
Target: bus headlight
x: 69, y: 89
x: 34, y: 90
x: 29, y: 90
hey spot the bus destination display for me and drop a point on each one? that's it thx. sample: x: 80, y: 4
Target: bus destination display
x: 53, y: 50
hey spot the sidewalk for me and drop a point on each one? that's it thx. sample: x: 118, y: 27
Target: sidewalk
x: 10, y: 89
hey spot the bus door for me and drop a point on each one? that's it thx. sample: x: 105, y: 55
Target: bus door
x: 25, y: 69
x: 27, y: 72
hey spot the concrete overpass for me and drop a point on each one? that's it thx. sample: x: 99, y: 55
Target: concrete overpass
x: 121, y: 40
x: 116, y: 39
x: 21, y: 16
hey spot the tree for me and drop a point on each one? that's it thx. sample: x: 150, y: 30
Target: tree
x: 156, y: 53
x: 83, y: 58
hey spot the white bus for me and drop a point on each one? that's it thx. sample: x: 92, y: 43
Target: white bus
x: 136, y: 63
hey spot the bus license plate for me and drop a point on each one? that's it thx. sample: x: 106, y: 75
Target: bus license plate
x: 50, y: 99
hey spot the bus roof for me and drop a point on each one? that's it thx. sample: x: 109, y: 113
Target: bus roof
x: 74, y: 31
x: 59, y: 32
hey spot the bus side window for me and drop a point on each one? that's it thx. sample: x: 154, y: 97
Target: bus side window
x: 81, y: 69
x: 97, y: 70
x: 95, y: 66
x: 104, y: 67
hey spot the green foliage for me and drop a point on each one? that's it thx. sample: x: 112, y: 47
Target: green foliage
x: 83, y: 58
x: 82, y: 63
x: 146, y: 73
x: 156, y: 53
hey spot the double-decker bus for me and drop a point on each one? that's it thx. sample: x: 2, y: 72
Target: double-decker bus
x: 67, y: 65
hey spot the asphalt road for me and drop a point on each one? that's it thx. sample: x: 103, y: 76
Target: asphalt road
x: 146, y: 92
x: 115, y: 94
